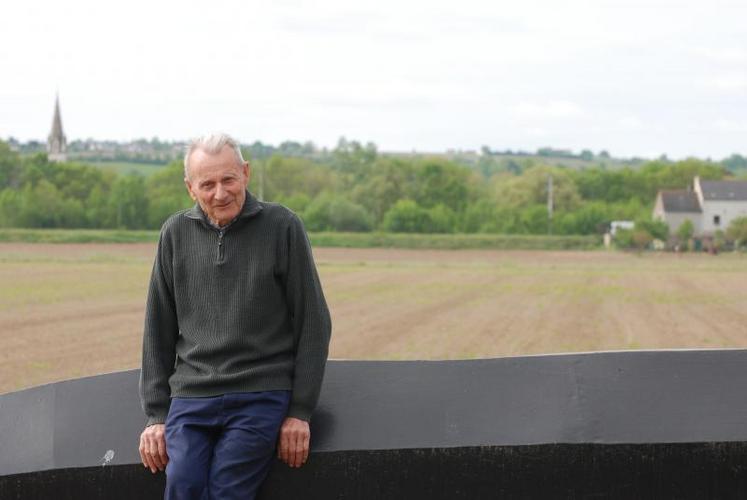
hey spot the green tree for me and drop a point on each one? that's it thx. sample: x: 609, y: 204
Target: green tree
x: 166, y: 194
x: 655, y: 228
x: 442, y: 182
x: 10, y: 208
x: 406, y: 216
x: 128, y: 204
x: 389, y: 180
x: 686, y: 230
x: 480, y: 217
x: 10, y: 167
x: 737, y: 232
x: 531, y: 188
x: 286, y: 176
x: 330, y: 212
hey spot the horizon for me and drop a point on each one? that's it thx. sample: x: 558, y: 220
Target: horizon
x: 449, y: 150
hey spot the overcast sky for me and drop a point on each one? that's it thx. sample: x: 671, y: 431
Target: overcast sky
x: 633, y: 77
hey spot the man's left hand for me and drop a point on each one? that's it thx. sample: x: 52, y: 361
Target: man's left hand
x: 293, y: 443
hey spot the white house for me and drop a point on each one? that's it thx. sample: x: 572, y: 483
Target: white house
x: 710, y: 205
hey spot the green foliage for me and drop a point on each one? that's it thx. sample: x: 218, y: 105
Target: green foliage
x: 297, y: 202
x: 10, y: 167
x: 624, y: 238
x: 641, y: 239
x: 406, y: 216
x: 591, y: 218
x: 388, y: 180
x: 10, y: 207
x: 128, y: 203
x: 354, y: 188
x: 166, y: 194
x: 441, y: 182
x: 655, y: 228
x: 328, y: 239
x: 531, y: 188
x: 330, y: 212
x: 737, y: 232
x: 286, y: 176
x: 686, y: 230
x: 481, y: 217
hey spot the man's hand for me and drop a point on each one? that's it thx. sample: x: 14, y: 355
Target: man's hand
x: 153, y: 448
x: 293, y: 443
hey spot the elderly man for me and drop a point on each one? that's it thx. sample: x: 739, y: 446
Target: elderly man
x: 236, y: 335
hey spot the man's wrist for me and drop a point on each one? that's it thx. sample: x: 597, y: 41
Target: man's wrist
x: 300, y: 412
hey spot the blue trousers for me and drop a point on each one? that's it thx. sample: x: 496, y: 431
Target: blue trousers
x: 222, y: 447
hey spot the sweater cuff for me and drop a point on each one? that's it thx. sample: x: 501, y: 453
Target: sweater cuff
x: 155, y: 420
x: 300, y: 412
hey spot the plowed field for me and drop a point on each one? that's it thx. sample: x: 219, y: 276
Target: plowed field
x: 75, y: 310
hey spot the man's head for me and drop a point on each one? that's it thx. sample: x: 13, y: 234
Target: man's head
x: 216, y: 176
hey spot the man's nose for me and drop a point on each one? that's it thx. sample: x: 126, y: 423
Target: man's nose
x: 220, y: 192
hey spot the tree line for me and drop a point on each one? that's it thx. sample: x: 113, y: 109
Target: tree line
x: 355, y: 188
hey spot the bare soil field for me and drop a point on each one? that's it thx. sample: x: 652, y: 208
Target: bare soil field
x: 70, y: 310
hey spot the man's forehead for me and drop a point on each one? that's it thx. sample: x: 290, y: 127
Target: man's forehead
x: 203, y: 163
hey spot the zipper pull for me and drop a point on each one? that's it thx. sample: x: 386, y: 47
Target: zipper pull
x: 220, y: 246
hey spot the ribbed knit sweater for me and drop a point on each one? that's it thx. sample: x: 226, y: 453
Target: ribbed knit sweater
x: 235, y: 309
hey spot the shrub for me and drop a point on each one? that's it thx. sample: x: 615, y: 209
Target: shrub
x: 686, y: 230
x: 406, y: 216
x: 737, y: 232
x: 336, y: 213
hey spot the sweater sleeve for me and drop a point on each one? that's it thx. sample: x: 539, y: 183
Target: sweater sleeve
x: 311, y: 321
x: 159, y: 338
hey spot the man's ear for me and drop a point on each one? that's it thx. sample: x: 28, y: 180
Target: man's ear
x: 189, y: 189
x: 247, y: 172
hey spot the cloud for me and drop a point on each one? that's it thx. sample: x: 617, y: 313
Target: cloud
x: 630, y: 123
x: 723, y: 55
x: 547, y: 110
x: 728, y: 82
x: 730, y: 126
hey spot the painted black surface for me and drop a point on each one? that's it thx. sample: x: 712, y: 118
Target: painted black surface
x: 563, y: 471
x: 647, y: 401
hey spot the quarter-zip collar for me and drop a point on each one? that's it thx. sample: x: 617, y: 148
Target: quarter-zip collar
x: 251, y: 208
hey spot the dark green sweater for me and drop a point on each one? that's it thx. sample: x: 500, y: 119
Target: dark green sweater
x: 237, y: 309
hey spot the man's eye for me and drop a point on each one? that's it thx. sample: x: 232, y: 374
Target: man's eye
x: 207, y: 186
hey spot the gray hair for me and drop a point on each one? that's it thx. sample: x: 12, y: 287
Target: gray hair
x: 212, y: 144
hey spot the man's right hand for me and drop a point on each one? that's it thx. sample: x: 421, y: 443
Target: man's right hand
x: 153, y: 447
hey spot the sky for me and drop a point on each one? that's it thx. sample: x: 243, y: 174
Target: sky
x: 635, y: 78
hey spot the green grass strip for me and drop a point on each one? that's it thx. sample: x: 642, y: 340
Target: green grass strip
x: 329, y: 239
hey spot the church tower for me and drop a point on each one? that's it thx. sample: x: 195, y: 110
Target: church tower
x: 56, y: 142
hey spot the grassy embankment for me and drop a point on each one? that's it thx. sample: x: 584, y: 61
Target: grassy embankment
x: 329, y: 239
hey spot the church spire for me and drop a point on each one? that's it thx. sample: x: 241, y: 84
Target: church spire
x: 56, y: 142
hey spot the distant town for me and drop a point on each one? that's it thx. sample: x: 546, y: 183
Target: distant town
x: 160, y: 152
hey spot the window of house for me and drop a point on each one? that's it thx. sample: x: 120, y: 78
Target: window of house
x: 716, y: 220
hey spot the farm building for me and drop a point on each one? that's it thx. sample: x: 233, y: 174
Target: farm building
x: 709, y: 205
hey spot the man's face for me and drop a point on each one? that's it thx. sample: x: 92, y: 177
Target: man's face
x: 218, y: 182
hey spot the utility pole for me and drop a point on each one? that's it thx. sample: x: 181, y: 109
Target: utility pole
x: 549, y: 204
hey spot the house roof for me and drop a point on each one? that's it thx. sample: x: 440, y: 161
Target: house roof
x: 680, y: 201
x: 724, y: 190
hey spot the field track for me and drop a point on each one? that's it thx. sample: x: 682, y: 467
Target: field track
x: 70, y: 310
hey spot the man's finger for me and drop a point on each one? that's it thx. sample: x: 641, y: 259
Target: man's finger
x: 149, y: 462
x: 144, y: 455
x: 298, y: 451
x: 306, y: 446
x: 141, y: 449
x: 162, y: 450
x: 285, y: 456
x: 153, y: 453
